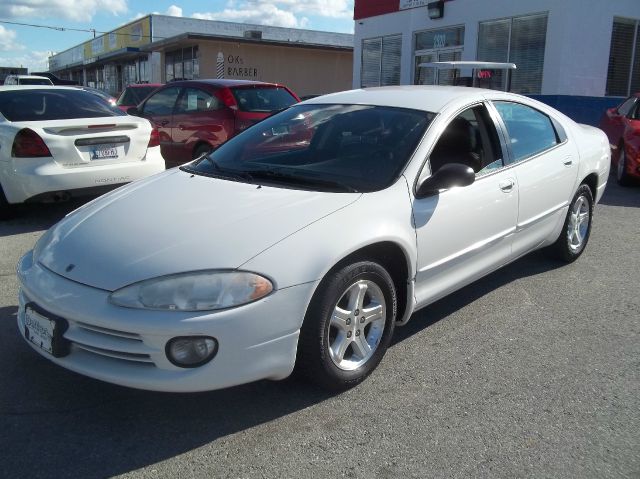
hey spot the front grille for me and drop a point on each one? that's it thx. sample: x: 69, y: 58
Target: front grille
x: 108, y: 342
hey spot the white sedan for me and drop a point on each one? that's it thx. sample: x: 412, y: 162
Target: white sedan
x: 59, y: 142
x: 305, y: 240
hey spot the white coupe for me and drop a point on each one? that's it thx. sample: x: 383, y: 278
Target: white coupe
x: 59, y: 142
x: 305, y: 240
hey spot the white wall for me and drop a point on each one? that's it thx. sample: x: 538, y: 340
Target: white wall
x: 577, y: 47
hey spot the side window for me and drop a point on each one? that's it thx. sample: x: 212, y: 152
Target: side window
x: 470, y: 139
x: 530, y: 131
x: 627, y: 106
x: 162, y: 102
x: 195, y: 100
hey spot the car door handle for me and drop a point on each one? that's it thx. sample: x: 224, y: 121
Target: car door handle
x: 182, y: 127
x: 568, y: 162
x: 506, y: 185
x: 162, y: 123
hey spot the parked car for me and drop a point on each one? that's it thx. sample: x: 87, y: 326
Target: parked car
x: 133, y: 94
x: 26, y: 80
x: 195, y: 116
x: 309, y: 257
x: 59, y: 142
x: 622, y: 126
x: 55, y: 79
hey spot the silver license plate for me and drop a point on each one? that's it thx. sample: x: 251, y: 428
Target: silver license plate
x: 104, y: 152
x: 39, y: 329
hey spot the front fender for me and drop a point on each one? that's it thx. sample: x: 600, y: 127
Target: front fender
x: 309, y: 254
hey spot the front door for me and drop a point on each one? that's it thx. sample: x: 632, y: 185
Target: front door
x: 158, y: 109
x: 464, y: 233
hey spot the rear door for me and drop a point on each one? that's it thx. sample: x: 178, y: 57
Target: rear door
x: 158, y: 109
x: 545, y: 163
x: 199, y: 117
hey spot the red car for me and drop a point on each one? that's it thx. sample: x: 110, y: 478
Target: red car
x: 195, y: 116
x: 622, y: 126
x: 133, y: 94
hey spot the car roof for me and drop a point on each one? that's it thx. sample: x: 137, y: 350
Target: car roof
x: 29, y: 76
x: 37, y: 87
x: 220, y: 82
x: 416, y: 97
x: 140, y: 85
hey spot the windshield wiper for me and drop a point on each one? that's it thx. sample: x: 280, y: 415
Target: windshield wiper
x: 280, y: 175
x: 227, y: 172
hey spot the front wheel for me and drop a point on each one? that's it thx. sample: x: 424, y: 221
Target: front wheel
x: 577, y: 227
x: 348, y: 326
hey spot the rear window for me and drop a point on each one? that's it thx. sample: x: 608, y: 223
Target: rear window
x: 34, y: 81
x: 263, y: 99
x: 45, y: 104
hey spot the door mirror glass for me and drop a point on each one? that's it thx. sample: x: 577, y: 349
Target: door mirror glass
x: 447, y: 176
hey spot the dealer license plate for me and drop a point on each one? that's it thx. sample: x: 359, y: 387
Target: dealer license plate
x: 104, y: 152
x: 39, y: 329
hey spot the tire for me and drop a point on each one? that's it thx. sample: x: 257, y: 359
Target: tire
x: 577, y: 227
x: 6, y: 210
x: 348, y: 326
x: 202, y: 149
x: 621, y: 171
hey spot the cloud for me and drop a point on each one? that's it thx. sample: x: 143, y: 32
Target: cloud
x: 281, y: 13
x: 34, y: 61
x: 78, y: 10
x: 8, y: 40
x: 174, y: 11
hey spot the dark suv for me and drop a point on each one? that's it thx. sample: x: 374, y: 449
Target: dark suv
x: 195, y: 116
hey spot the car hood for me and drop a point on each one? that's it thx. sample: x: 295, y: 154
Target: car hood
x: 177, y: 222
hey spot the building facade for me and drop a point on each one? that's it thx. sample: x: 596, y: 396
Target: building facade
x: 158, y: 48
x: 573, y: 54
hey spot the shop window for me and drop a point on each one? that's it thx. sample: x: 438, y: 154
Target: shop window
x: 381, y: 61
x: 520, y: 40
x: 182, y: 64
x: 623, y: 74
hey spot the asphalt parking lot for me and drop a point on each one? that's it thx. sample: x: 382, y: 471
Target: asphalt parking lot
x: 533, y: 371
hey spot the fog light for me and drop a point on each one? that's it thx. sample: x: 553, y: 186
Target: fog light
x: 191, y: 352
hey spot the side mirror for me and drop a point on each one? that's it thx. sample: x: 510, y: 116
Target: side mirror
x: 448, y: 176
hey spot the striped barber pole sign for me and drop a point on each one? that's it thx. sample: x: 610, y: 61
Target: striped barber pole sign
x: 220, y: 65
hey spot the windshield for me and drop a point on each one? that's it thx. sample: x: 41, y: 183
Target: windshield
x: 322, y: 147
x: 53, y: 104
x: 135, y: 95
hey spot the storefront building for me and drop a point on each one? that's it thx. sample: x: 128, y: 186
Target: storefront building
x: 158, y: 49
x: 578, y: 55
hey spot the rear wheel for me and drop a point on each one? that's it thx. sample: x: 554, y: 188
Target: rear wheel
x: 621, y: 171
x: 348, y: 326
x: 577, y: 227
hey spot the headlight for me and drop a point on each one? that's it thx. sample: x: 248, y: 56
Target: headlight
x: 195, y: 291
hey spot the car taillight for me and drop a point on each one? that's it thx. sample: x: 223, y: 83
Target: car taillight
x: 28, y: 144
x: 228, y: 99
x: 154, y: 139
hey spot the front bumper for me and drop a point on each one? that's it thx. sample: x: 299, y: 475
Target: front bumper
x: 127, y: 346
x: 25, y: 178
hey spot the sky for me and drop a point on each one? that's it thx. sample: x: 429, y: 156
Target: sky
x: 30, y: 47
